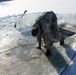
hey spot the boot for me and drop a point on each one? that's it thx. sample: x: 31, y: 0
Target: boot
x: 62, y: 41
x: 39, y: 47
x: 48, y: 53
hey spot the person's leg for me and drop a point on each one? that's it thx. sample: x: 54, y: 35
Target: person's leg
x: 62, y: 41
x: 46, y: 36
x: 57, y: 33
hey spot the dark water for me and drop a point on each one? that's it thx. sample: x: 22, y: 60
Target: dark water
x: 66, y: 33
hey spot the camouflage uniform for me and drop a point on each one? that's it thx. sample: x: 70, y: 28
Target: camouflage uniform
x: 47, y: 24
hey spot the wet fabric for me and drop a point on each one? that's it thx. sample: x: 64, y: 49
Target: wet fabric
x: 48, y: 28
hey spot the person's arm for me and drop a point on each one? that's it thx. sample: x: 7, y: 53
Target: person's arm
x: 46, y: 33
x: 39, y: 41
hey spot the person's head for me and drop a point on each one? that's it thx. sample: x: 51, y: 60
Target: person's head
x: 34, y: 31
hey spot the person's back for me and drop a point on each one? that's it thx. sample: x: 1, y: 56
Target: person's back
x: 50, y: 16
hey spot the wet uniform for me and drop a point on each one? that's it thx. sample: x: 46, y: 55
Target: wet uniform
x: 48, y: 28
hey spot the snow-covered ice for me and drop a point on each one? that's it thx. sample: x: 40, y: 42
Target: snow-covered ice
x: 18, y: 55
x: 17, y: 49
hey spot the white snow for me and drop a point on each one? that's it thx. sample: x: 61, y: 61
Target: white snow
x: 18, y: 6
x: 11, y: 37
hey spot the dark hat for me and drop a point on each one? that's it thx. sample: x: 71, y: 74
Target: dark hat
x: 34, y: 31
